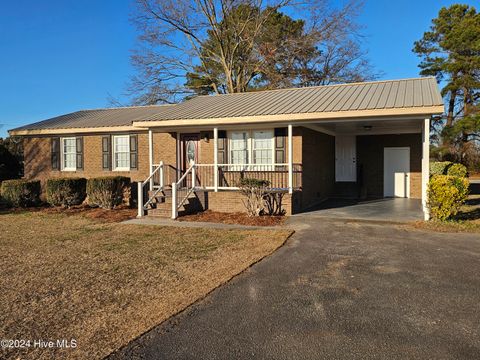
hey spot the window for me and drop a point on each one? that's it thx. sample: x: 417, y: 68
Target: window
x: 252, y: 147
x: 262, y: 147
x: 121, y: 152
x: 239, y: 148
x: 69, y: 154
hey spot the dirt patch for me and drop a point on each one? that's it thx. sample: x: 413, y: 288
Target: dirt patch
x: 67, y: 276
x: 234, y: 218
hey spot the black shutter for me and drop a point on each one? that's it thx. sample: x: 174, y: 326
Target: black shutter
x: 133, y: 152
x: 280, y: 145
x: 55, y: 153
x: 222, y: 147
x: 79, y: 149
x: 107, y: 152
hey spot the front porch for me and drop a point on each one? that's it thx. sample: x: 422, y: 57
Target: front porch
x: 309, y: 163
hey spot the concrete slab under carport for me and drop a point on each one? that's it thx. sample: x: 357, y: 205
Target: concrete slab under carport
x: 397, y: 210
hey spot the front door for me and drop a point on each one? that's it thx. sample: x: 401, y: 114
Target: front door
x: 189, y: 149
x: 396, y: 172
x: 345, y: 158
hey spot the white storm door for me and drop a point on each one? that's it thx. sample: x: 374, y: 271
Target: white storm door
x: 396, y: 172
x: 345, y: 158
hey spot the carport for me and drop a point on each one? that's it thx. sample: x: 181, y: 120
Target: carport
x: 396, y: 210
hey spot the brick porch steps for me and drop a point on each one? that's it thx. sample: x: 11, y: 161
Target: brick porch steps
x: 162, y: 205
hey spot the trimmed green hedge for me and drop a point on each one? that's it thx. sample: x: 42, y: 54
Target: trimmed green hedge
x: 439, y: 167
x: 446, y: 194
x: 107, y: 192
x: 66, y: 192
x: 21, y: 193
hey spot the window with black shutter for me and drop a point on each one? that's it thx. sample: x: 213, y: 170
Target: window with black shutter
x: 133, y: 152
x: 280, y: 145
x: 55, y: 153
x: 107, y: 152
x: 79, y: 149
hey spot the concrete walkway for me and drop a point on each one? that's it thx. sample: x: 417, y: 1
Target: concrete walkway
x: 337, y: 290
x: 396, y: 210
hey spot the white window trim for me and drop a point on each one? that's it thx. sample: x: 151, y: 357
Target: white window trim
x: 114, y: 163
x: 250, y: 145
x: 62, y: 152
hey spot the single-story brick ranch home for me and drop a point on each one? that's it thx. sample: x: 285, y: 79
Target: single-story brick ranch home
x: 365, y: 140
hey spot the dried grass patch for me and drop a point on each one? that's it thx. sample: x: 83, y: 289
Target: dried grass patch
x: 103, y: 284
x: 234, y: 218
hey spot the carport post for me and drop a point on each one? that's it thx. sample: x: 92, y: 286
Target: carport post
x: 425, y: 165
x: 290, y: 159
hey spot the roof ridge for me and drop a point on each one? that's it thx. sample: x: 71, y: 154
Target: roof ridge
x: 320, y: 86
x: 123, y: 107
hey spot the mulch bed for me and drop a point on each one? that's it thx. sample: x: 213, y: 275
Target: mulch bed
x: 234, y: 218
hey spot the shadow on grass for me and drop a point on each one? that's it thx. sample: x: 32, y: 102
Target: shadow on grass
x: 471, y: 209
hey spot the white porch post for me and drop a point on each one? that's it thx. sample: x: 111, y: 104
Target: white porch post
x: 215, y: 158
x: 178, y: 157
x: 425, y: 165
x: 174, y: 201
x: 290, y: 159
x: 150, y: 155
x: 140, y: 199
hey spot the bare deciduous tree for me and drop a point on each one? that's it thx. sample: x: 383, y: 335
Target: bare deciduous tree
x: 225, y: 46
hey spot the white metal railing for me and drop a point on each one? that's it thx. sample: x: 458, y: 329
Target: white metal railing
x: 156, y: 184
x: 181, y: 189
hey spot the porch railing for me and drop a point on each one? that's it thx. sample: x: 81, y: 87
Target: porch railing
x: 182, y: 183
x: 229, y: 175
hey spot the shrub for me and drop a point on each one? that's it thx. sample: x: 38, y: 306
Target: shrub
x: 458, y: 170
x: 21, y: 193
x: 439, y: 167
x: 253, y: 190
x: 107, y: 192
x: 66, y: 192
x: 446, y: 194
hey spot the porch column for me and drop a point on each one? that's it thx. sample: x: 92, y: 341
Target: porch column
x: 290, y: 159
x: 150, y: 156
x: 215, y: 158
x: 425, y: 165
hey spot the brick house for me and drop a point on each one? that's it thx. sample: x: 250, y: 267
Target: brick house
x: 366, y: 140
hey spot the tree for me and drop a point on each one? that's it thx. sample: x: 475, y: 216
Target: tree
x: 11, y: 158
x: 450, y: 51
x: 190, y: 47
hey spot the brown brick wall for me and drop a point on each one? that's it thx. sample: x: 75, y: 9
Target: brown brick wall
x: 370, y: 156
x: 318, y: 157
x: 231, y: 202
x: 38, y: 157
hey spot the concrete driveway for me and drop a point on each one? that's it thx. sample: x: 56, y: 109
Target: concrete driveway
x: 337, y: 290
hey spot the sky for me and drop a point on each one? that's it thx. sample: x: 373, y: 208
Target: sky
x: 60, y: 56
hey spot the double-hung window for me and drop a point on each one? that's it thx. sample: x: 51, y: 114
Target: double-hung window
x: 262, y: 148
x: 121, y: 152
x: 251, y: 147
x: 69, y: 154
x: 239, y: 147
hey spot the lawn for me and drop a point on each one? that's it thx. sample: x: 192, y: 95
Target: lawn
x: 103, y: 284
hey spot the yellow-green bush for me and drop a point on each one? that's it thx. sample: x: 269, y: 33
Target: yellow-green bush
x: 446, y: 194
x: 439, y: 167
x: 458, y: 170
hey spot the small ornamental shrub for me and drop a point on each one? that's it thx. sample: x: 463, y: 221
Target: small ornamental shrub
x: 446, y: 194
x: 439, y: 167
x: 66, y: 192
x: 21, y: 193
x: 253, y: 190
x: 458, y: 170
x: 107, y: 192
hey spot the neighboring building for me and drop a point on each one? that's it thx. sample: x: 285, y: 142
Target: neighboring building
x: 365, y: 140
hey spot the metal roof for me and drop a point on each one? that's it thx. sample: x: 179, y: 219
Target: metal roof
x: 392, y: 94
x: 308, y: 101
x: 112, y: 117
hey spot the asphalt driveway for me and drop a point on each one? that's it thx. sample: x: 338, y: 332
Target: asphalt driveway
x: 337, y: 290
